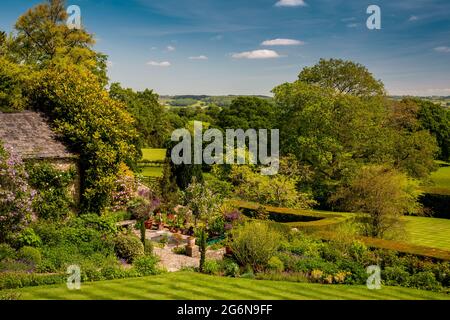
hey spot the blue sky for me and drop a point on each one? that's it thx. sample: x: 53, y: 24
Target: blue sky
x: 211, y: 46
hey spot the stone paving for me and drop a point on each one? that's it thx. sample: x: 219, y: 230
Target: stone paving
x: 174, y: 262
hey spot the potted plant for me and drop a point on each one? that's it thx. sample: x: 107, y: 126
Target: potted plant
x: 149, y: 224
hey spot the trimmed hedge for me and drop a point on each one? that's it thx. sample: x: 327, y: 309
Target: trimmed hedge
x: 13, y: 280
x: 399, y: 246
x: 327, y: 222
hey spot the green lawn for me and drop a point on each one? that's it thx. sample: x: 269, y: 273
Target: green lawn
x: 194, y: 286
x: 151, y: 154
x: 432, y: 232
x: 152, y: 171
x: 441, y: 180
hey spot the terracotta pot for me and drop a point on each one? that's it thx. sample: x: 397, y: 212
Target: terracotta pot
x: 148, y: 224
x: 228, y: 250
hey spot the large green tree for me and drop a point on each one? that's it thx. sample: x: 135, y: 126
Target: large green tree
x: 248, y: 113
x: 436, y: 119
x: 342, y: 76
x: 42, y: 38
x: 14, y: 80
x: 336, y: 125
x: 151, y: 120
x: 331, y: 133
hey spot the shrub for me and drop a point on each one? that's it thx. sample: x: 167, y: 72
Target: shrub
x: 146, y: 265
x: 305, y: 246
x: 13, y: 280
x: 28, y: 238
x: 425, y: 281
x: 148, y: 248
x: 211, y: 267
x: 395, y: 276
x: 275, y: 264
x: 30, y: 255
x: 10, y: 296
x: 352, y: 271
x: 289, y: 260
x: 15, y: 195
x: 358, y: 251
x: 128, y: 247
x: 53, y: 200
x: 254, y: 244
x: 308, y: 265
x: 10, y: 265
x: 6, y: 251
x: 247, y: 272
x: 230, y: 268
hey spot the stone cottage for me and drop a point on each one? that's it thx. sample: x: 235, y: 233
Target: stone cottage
x: 30, y: 136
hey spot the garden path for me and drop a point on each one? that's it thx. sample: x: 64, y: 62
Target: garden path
x: 175, y: 262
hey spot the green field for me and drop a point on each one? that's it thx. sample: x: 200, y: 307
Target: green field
x: 195, y: 286
x: 440, y: 180
x: 150, y: 154
x: 431, y: 232
x: 152, y: 171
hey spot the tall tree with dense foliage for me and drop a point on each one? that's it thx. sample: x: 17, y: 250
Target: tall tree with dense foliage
x: 331, y: 133
x: 150, y: 117
x: 248, y: 113
x: 42, y: 39
x: 93, y: 124
x: 436, y: 119
x: 14, y: 80
x: 342, y: 76
x: 413, y: 147
x: 334, y: 132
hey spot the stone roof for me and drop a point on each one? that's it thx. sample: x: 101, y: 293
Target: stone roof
x: 31, y: 137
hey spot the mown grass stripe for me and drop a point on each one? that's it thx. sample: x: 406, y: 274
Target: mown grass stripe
x: 187, y: 285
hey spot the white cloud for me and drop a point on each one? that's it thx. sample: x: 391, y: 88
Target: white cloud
x: 282, y: 42
x: 159, y: 64
x: 199, y: 58
x: 291, y: 3
x: 442, y: 49
x: 171, y: 48
x: 256, y: 54
x: 413, y: 18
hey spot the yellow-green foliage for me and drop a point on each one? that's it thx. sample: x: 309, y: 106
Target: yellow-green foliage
x: 13, y: 81
x: 93, y: 124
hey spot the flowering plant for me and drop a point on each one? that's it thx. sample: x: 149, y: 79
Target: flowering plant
x: 16, y: 197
